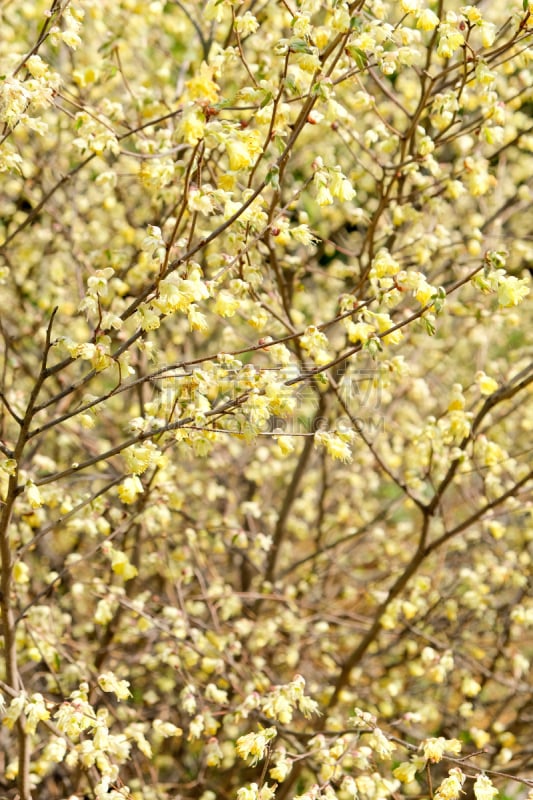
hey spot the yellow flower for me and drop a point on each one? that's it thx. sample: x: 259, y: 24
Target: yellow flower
x: 192, y: 126
x: 14, y: 710
x: 457, y: 400
x: 385, y: 323
x: 129, y: 489
x: 424, y: 292
x: 340, y: 187
x: 480, y: 737
x: 139, y: 457
x: 108, y: 682
x: 483, y: 788
x: 427, y: 20
x: 33, y: 495
x: 213, y: 753
x: 238, y: 155
x: 405, y: 772
x: 472, y: 14
x: 285, y: 445
x: 148, y: 319
x: 478, y: 179
x: 226, y: 304
x: 197, y: 320
x: 281, y: 769
x: 280, y: 354
x: 121, y: 565
x: 313, y: 339
x: 470, y: 687
x: 279, y: 707
x: 497, y: 531
x: 511, y: 291
x: 104, y: 612
x: 434, y: 749
x: 359, y: 331
x: 384, y: 264
x: 451, y: 787
x: 487, y: 385
x: 246, y: 23
x: 35, y: 711
x: 449, y: 41
x: 324, y: 196
x: 488, y: 33
x: 244, y: 149
x: 308, y: 62
x: 165, y: 729
x: 21, y: 573
x: 258, y: 318
x: 71, y: 39
x: 254, y: 745
x: 409, y: 6
x: 335, y: 446
x: 202, y: 86
x: 453, y: 746
x: 86, y: 76
x: 171, y: 298
x: 37, y: 67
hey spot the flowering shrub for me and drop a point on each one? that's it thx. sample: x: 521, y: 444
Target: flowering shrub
x: 265, y: 409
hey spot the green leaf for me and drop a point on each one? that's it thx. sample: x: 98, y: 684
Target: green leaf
x: 358, y: 56
x: 439, y: 299
x: 280, y: 144
x: 106, y: 47
x: 430, y: 328
x: 373, y: 345
x: 299, y: 46
x: 266, y: 99
x: 272, y: 176
x: 290, y: 85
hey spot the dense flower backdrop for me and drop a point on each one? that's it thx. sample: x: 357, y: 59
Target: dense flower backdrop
x: 265, y: 411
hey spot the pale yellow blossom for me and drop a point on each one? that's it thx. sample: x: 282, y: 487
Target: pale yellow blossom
x: 427, y: 20
x: 484, y: 788
x: 108, y: 682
